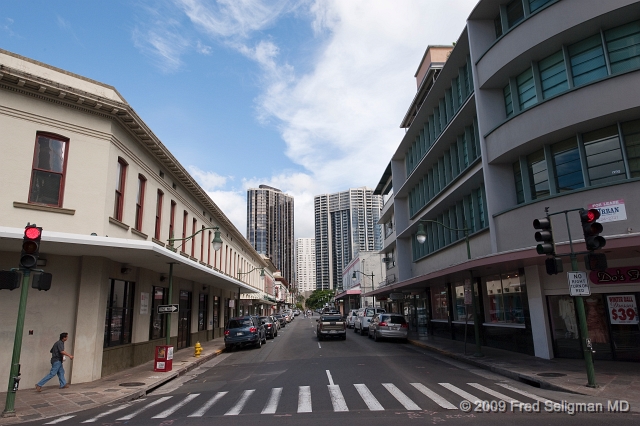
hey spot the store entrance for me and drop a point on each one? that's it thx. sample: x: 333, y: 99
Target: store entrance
x: 184, y: 320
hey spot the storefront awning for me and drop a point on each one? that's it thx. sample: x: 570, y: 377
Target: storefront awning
x: 351, y: 292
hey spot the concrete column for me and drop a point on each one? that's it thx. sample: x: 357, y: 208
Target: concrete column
x: 542, y: 342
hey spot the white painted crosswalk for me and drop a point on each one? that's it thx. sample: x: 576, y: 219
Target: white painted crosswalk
x: 384, y: 396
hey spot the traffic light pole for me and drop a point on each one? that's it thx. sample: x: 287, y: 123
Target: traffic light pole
x: 14, y: 375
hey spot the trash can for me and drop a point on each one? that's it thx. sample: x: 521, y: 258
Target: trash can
x: 163, y: 359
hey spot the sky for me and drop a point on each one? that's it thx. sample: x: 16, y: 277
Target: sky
x: 305, y: 96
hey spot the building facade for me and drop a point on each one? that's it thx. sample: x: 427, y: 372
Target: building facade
x: 345, y: 223
x: 532, y: 113
x: 121, y: 219
x: 270, y: 227
x: 305, y: 265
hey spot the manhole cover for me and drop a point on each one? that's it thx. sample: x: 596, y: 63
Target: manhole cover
x: 132, y: 384
x: 543, y: 375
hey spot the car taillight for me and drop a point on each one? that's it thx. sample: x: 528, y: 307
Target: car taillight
x: 226, y: 332
x: 268, y: 325
x: 405, y: 325
x: 383, y: 324
x: 253, y: 329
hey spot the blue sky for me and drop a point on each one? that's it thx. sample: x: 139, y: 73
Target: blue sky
x: 303, y: 95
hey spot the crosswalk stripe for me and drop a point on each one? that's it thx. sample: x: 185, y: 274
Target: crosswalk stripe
x: 169, y: 411
x: 106, y: 413
x: 202, y: 410
x: 236, y: 409
x: 434, y: 396
x: 272, y: 404
x: 337, y: 400
x: 460, y: 392
x: 135, y: 413
x: 59, y: 419
x: 304, y: 399
x: 368, y: 398
x: 525, y: 393
x: 401, y: 397
x: 494, y: 393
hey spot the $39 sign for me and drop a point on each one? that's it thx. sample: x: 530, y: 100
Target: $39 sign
x: 622, y: 309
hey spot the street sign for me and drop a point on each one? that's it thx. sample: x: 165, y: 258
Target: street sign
x: 167, y: 309
x: 578, y: 283
x: 468, y: 298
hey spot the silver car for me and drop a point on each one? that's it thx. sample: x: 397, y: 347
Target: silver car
x: 388, y: 326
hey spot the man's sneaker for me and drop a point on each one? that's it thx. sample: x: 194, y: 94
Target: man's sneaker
x: 38, y: 388
x: 65, y: 386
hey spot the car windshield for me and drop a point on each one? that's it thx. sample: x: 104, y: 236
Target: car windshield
x: 240, y: 323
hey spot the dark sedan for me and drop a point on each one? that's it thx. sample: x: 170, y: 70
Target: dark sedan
x: 270, y: 327
x: 281, y: 319
x: 244, y: 331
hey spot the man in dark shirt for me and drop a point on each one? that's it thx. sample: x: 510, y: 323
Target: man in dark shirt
x: 57, y: 357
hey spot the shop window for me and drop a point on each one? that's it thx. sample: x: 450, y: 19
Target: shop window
x: 623, y: 47
x: 566, y: 160
x: 217, y: 309
x: 461, y: 310
x: 439, y: 303
x: 48, y: 170
x: 631, y: 134
x: 553, y: 75
x: 157, y: 321
x: 505, y: 294
x: 587, y: 60
x: 538, y: 174
x: 604, y: 156
x: 203, y: 311
x: 119, y: 318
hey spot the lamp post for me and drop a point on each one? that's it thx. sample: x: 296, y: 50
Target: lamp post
x: 240, y: 288
x: 354, y: 278
x: 217, y: 244
x: 421, y: 236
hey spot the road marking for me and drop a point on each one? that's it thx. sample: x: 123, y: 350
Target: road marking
x: 58, y: 420
x: 272, y: 404
x: 434, y: 396
x: 135, y: 413
x: 337, y: 400
x: 202, y: 410
x: 330, y: 378
x: 304, y: 399
x: 494, y: 393
x: 401, y: 397
x: 236, y: 409
x: 460, y: 392
x: 368, y: 398
x: 106, y: 413
x: 525, y: 393
x: 319, y: 345
x: 169, y: 411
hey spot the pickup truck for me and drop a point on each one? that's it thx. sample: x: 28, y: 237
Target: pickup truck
x: 331, y: 325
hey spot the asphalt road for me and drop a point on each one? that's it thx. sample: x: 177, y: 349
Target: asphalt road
x: 296, y: 379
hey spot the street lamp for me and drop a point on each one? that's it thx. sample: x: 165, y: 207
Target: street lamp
x: 217, y: 244
x: 240, y: 288
x: 421, y: 237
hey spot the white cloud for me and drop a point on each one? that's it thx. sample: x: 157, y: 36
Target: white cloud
x: 210, y: 181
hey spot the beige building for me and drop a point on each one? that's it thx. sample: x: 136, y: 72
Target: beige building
x: 80, y: 163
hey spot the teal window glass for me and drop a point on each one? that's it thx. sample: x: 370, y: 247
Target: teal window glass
x: 497, y: 23
x: 517, y: 176
x: 631, y: 134
x: 444, y: 119
x: 458, y: 91
x: 515, y: 13
x: 467, y: 81
x: 448, y: 99
x: 538, y: 174
x: 604, y: 156
x: 481, y: 209
x: 465, y: 152
x: 553, y: 75
x: 471, y: 222
x: 623, y: 46
x: 537, y: 4
x: 508, y: 100
x: 587, y: 60
x: 436, y: 121
x: 566, y: 160
x: 526, y: 89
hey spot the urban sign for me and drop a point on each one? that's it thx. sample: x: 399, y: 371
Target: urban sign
x: 630, y: 275
x: 610, y: 211
x: 168, y: 309
x: 578, y: 283
x: 622, y: 309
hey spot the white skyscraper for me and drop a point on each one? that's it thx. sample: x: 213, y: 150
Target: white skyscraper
x: 306, y: 264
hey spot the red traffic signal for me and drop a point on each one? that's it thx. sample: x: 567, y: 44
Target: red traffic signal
x: 592, y: 229
x: 30, y: 246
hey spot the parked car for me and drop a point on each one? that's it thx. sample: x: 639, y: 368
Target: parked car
x: 361, y: 324
x: 270, y: 327
x: 281, y: 320
x: 351, y: 318
x: 388, y: 326
x: 331, y: 325
x: 244, y: 331
x: 276, y: 322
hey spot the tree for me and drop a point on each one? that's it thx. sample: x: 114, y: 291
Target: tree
x: 318, y: 298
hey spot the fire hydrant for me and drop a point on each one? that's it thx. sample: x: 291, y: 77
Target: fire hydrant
x: 198, y: 350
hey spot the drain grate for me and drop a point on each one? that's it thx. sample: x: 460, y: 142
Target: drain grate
x: 132, y: 384
x: 551, y: 374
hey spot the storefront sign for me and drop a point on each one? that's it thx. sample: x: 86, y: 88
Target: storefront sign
x: 629, y: 275
x: 610, y: 211
x: 578, y: 283
x: 623, y: 309
x: 396, y: 296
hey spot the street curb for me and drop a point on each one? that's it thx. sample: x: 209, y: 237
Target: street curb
x: 523, y: 378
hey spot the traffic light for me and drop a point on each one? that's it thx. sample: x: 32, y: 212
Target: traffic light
x: 544, y: 236
x: 591, y: 229
x: 42, y: 281
x: 30, y: 246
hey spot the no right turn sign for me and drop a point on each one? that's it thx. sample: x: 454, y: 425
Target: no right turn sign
x: 578, y: 283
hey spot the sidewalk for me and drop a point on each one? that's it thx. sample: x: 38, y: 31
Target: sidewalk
x: 615, y: 379
x: 126, y: 385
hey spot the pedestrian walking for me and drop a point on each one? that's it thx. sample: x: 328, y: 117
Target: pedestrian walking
x: 58, y: 355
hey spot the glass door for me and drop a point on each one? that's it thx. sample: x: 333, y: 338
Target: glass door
x: 184, y: 320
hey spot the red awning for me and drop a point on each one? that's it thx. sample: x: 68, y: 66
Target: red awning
x: 351, y: 291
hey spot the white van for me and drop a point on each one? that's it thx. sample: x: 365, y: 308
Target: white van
x: 351, y: 318
x: 363, y: 319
